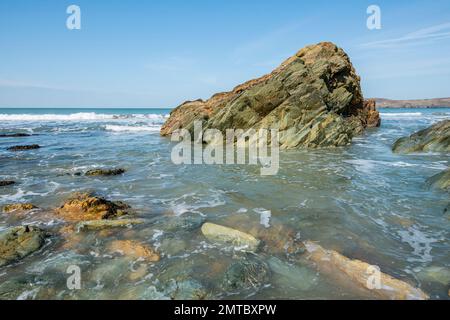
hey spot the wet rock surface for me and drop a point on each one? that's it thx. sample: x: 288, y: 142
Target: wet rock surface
x: 24, y: 148
x: 248, y: 272
x: 19, y: 242
x: 433, y: 139
x: 105, y: 172
x: 225, y: 235
x: 440, y: 181
x: 134, y: 249
x: 106, y: 224
x: 314, y: 99
x: 87, y: 206
x: 21, y: 207
x: 360, y: 273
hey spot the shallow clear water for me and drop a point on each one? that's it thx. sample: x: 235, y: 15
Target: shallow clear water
x: 362, y: 201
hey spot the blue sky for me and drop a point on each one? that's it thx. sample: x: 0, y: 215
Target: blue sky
x: 138, y: 53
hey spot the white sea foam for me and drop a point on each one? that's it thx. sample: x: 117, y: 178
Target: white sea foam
x: 82, y: 116
x: 401, y: 114
x: 118, y: 128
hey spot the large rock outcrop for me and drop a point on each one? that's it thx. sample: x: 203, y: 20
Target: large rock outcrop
x: 314, y: 99
x: 433, y: 139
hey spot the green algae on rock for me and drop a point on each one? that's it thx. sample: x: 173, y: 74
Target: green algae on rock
x: 433, y: 139
x: 314, y: 99
x: 18, y: 242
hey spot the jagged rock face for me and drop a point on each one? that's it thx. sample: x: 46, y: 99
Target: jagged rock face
x: 314, y: 99
x: 433, y: 139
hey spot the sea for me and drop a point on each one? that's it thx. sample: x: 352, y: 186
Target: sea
x: 362, y: 201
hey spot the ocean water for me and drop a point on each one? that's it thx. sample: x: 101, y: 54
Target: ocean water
x: 362, y: 201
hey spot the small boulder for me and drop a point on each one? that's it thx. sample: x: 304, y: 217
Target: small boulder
x: 18, y: 242
x: 86, y: 207
x: 134, y: 249
x: 21, y: 207
x: 23, y: 148
x: 4, y: 183
x: 105, y: 172
x: 221, y: 234
x: 247, y: 273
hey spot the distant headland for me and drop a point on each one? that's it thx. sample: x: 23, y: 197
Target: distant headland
x: 420, y: 103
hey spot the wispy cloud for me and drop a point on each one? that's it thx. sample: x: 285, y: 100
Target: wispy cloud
x: 434, y: 33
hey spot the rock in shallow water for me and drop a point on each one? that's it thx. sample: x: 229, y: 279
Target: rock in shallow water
x: 105, y: 172
x: 433, y: 139
x: 104, y: 224
x: 86, y: 206
x: 134, y: 250
x: 238, y: 239
x: 4, y: 183
x: 21, y: 207
x: 362, y: 274
x: 23, y: 148
x: 314, y: 99
x: 441, y: 180
x: 247, y: 273
x: 18, y: 242
x: 14, y: 135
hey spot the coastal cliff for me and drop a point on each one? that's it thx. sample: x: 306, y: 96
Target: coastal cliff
x: 313, y: 98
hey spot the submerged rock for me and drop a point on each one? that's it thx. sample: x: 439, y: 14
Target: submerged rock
x: 221, y: 234
x: 86, y: 206
x: 433, y: 139
x: 362, y: 274
x: 314, y: 99
x: 105, y: 172
x: 248, y: 273
x: 21, y: 207
x: 188, y: 289
x: 14, y: 135
x: 441, y: 180
x: 4, y: 183
x: 292, y: 276
x: 18, y: 242
x: 103, y: 224
x: 185, y: 222
x: 26, y: 147
x: 134, y: 250
x: 436, y: 274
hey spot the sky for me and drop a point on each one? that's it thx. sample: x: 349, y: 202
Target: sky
x: 159, y: 53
